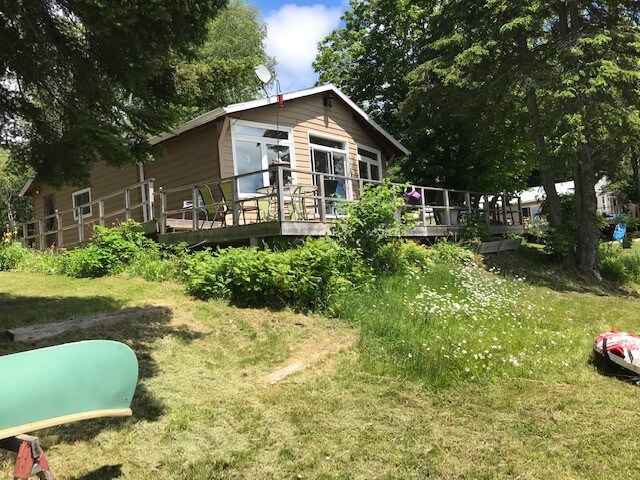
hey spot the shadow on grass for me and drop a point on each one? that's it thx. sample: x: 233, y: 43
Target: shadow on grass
x: 17, y: 311
x: 538, y: 268
x: 140, y: 334
x: 107, y: 472
x: 607, y: 368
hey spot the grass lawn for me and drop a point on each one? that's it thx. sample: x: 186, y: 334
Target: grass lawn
x: 204, y: 408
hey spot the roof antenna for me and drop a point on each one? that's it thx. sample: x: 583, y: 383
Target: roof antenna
x: 266, y: 77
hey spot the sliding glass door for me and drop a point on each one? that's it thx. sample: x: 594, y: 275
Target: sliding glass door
x: 330, y: 157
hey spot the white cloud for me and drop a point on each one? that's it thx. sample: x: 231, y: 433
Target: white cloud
x: 292, y: 37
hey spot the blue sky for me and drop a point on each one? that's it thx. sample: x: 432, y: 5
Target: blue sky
x: 293, y: 31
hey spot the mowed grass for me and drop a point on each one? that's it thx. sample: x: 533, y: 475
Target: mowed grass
x: 204, y: 409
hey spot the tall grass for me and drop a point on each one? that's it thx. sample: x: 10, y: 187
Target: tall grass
x: 455, y: 323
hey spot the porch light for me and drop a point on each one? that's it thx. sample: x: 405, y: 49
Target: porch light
x: 327, y: 100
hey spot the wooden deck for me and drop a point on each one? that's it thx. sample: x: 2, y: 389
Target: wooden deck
x: 296, y: 203
x: 252, y: 233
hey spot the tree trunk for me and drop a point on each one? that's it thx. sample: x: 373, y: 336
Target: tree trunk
x: 586, y: 213
x: 546, y: 172
x: 548, y: 178
x: 636, y: 175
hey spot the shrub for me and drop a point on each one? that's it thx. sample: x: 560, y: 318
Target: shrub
x: 304, y: 277
x: 400, y: 257
x: 109, y: 251
x: 13, y: 255
x: 476, y: 229
x: 450, y: 253
x: 373, y: 220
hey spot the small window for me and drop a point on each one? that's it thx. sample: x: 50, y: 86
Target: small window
x: 369, y: 166
x: 82, y: 198
x: 260, y: 132
x: 326, y: 142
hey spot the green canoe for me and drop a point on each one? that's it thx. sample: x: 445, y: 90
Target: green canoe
x: 76, y: 381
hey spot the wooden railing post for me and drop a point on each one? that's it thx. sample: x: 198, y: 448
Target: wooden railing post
x: 59, y: 231
x: 520, y: 211
x: 323, y: 203
x: 447, y: 213
x: 25, y: 234
x: 194, y: 208
x: 487, y: 209
x: 235, y: 211
x: 41, y: 241
x: 127, y: 204
x: 101, y: 212
x: 162, y: 227
x: 467, y: 199
x: 504, y: 209
x: 280, y: 190
x: 423, y: 207
x: 150, y: 200
x: 80, y: 225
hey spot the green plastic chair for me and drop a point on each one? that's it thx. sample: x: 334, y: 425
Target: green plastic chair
x: 244, y: 205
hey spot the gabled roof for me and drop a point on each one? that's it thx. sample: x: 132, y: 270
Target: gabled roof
x: 239, y: 107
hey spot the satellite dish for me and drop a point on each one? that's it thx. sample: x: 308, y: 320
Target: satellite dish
x: 263, y: 74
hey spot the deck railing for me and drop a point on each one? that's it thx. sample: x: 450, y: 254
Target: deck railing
x: 277, y: 194
x: 295, y: 195
x: 52, y: 229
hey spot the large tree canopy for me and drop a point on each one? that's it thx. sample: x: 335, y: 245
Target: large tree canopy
x: 497, y: 85
x: 85, y: 80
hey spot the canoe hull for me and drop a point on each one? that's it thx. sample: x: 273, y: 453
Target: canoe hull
x: 63, y: 384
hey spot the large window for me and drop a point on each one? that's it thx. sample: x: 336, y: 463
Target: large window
x: 82, y: 198
x: 255, y: 148
x: 329, y: 156
x: 369, y: 165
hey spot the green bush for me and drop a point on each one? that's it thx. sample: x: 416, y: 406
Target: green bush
x: 304, y: 277
x: 13, y: 255
x: 109, y: 251
x: 400, y: 257
x: 476, y: 229
x: 450, y: 253
x: 619, y: 266
x: 373, y: 220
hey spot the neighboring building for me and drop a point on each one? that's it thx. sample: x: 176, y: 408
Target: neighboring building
x: 323, y: 145
x: 532, y: 198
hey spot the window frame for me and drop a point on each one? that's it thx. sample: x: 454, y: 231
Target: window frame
x: 345, y: 152
x: 369, y: 162
x: 263, y: 141
x: 88, y: 205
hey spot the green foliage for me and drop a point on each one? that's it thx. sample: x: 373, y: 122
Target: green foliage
x: 561, y: 241
x: 13, y: 209
x: 221, y: 71
x: 106, y: 83
x: 476, y: 229
x: 619, y: 266
x: 401, y: 257
x: 456, y: 323
x: 305, y: 277
x: 611, y: 265
x: 453, y: 253
x: 109, y: 251
x: 537, y: 229
x: 373, y: 220
x: 13, y: 255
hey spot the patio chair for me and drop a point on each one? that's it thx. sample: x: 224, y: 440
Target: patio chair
x: 261, y: 207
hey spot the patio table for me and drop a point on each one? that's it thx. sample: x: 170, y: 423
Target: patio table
x: 294, y: 195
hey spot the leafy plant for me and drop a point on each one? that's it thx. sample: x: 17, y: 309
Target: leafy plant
x: 372, y: 221
x: 304, y: 277
x: 109, y: 251
x: 476, y: 229
x: 13, y: 255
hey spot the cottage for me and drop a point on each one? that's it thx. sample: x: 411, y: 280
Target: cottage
x: 268, y: 167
